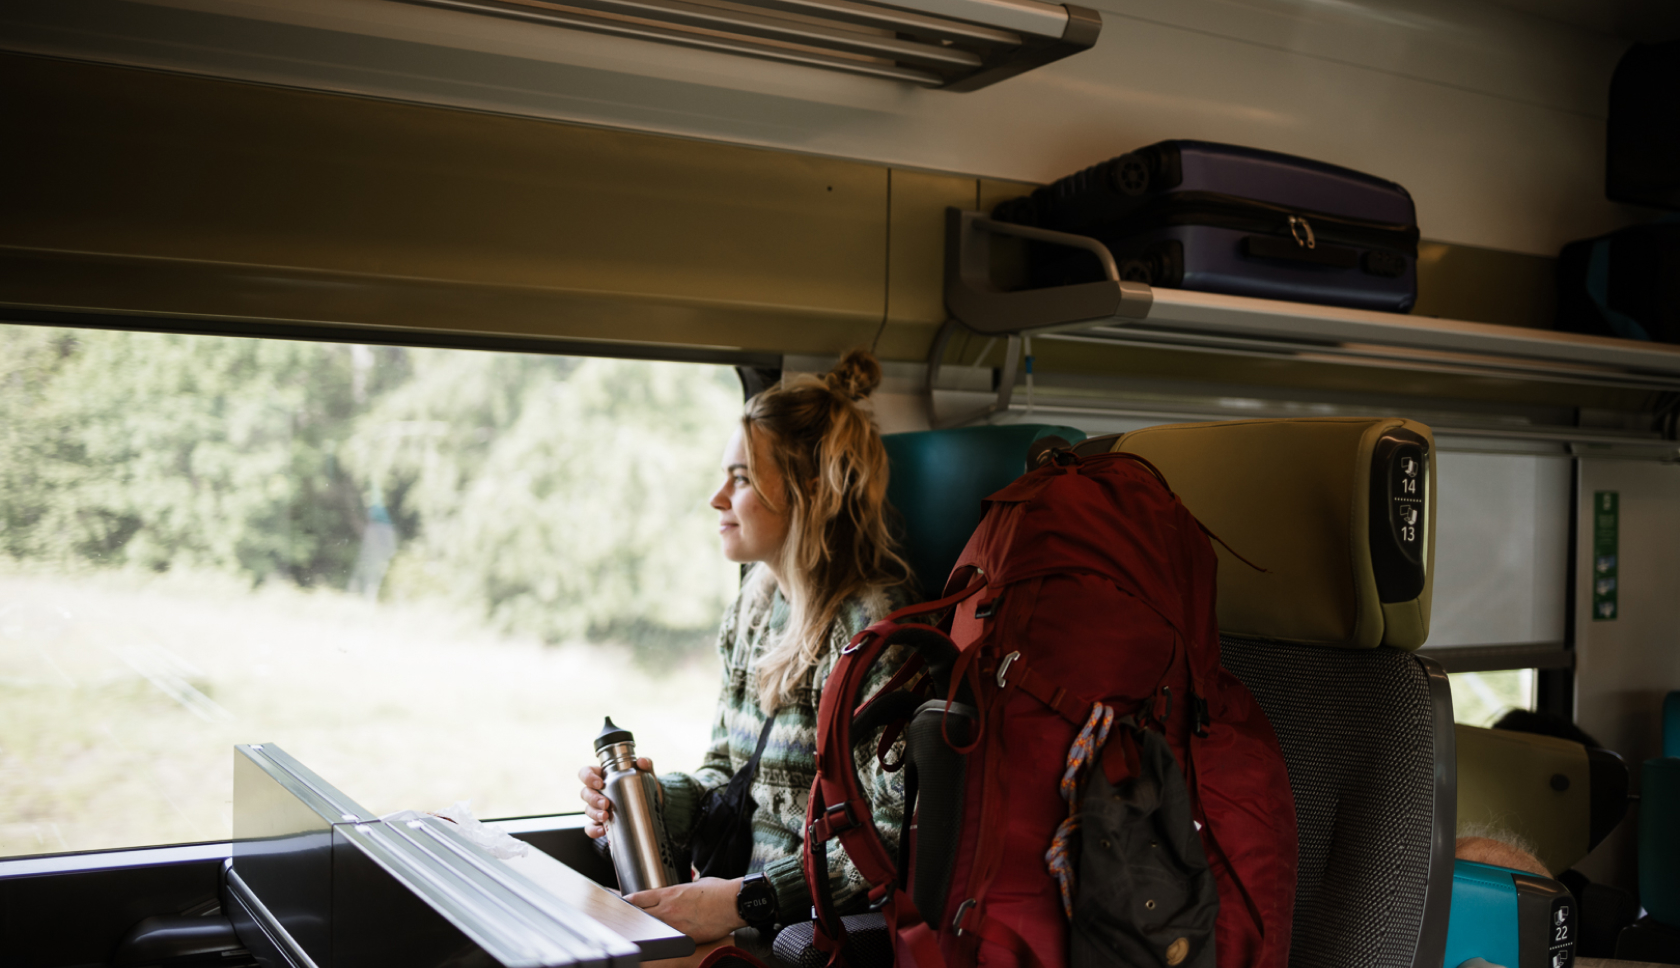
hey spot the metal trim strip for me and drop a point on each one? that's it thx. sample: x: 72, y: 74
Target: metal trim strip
x: 120, y: 858
x: 777, y: 27
x: 1627, y: 447
x: 343, y: 808
x: 903, y: 21
x: 524, y: 949
x: 1021, y: 16
x: 578, y: 20
x: 1243, y: 316
x: 265, y: 920
x: 516, y: 938
x: 352, y: 333
x: 1495, y: 658
x: 926, y: 42
x: 587, y: 929
x: 1413, y: 359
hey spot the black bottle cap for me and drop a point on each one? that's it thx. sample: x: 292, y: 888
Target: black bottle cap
x: 611, y: 734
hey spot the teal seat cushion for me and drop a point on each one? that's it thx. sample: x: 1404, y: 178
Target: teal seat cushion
x: 1659, y: 839
x: 1484, y: 916
x: 939, y: 479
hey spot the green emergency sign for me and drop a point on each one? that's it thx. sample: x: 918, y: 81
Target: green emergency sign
x: 1606, y: 515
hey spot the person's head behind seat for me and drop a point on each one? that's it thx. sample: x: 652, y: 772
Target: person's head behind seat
x: 833, y: 469
x: 1544, y: 724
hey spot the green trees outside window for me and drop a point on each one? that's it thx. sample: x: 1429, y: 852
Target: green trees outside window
x: 426, y: 573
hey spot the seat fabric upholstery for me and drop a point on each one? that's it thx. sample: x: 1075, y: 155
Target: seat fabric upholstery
x: 1369, y: 803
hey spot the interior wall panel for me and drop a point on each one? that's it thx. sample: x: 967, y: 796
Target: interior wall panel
x: 915, y: 258
x: 1491, y: 116
x: 194, y: 196
x: 1626, y: 665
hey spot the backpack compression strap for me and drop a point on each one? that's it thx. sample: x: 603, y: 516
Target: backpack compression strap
x: 837, y: 806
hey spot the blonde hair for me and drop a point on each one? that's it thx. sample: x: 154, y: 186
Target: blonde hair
x: 834, y: 473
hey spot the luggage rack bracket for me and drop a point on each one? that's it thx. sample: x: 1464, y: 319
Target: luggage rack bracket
x: 1124, y: 313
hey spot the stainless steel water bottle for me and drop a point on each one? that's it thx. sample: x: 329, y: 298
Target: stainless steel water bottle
x: 636, y: 824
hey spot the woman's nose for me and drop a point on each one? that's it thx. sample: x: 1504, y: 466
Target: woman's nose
x: 720, y: 500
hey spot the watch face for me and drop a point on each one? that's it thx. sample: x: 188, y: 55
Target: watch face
x: 757, y: 901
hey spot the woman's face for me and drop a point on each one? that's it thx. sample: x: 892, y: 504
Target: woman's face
x: 751, y: 531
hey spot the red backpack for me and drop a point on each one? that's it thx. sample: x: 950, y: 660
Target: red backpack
x: 1087, y: 582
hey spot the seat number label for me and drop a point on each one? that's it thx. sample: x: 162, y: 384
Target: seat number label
x: 1406, y: 493
x: 1560, y: 952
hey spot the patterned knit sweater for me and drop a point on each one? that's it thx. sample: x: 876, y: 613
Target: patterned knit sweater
x: 788, y: 766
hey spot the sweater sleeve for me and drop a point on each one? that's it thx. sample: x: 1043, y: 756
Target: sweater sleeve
x: 685, y: 791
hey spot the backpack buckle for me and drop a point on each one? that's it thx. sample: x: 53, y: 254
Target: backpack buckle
x: 1003, y: 668
x: 1199, y: 714
x: 837, y: 818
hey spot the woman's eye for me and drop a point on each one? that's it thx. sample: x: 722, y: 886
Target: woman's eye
x: 740, y: 481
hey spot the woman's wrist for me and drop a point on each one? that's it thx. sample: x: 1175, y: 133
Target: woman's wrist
x: 732, y: 894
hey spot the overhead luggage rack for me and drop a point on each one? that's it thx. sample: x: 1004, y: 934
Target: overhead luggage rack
x: 955, y: 45
x: 1122, y: 313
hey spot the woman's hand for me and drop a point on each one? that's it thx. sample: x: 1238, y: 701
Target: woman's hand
x: 596, y: 806
x: 703, y: 910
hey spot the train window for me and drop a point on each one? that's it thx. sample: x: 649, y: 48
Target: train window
x: 1501, y: 557
x: 426, y: 573
x: 1501, y: 572
x: 1480, y: 698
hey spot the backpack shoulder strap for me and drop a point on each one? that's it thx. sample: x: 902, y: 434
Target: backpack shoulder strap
x: 837, y: 806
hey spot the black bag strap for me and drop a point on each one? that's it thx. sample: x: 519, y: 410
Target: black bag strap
x: 722, y: 838
x: 751, y: 767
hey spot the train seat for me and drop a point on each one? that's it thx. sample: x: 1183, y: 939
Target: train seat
x: 1366, y: 727
x: 1560, y: 796
x: 1656, y: 937
x: 1339, y: 513
x: 939, y: 479
x: 1324, y: 637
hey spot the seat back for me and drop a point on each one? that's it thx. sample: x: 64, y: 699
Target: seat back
x: 1537, y: 787
x: 1560, y: 796
x: 939, y: 478
x: 1365, y: 734
x: 1659, y: 840
x: 1323, y: 638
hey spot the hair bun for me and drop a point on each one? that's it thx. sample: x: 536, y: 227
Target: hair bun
x: 856, y: 375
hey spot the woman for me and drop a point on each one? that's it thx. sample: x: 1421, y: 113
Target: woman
x: 804, y: 503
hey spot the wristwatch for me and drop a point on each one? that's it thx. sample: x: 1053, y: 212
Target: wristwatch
x: 756, y: 902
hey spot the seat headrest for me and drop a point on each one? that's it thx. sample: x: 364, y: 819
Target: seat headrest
x: 1536, y: 787
x: 1339, y: 511
x: 938, y: 479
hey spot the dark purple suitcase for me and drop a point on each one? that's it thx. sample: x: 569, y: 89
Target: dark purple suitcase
x: 1219, y: 218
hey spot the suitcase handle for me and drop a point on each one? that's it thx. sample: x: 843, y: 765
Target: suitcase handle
x: 1272, y: 247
